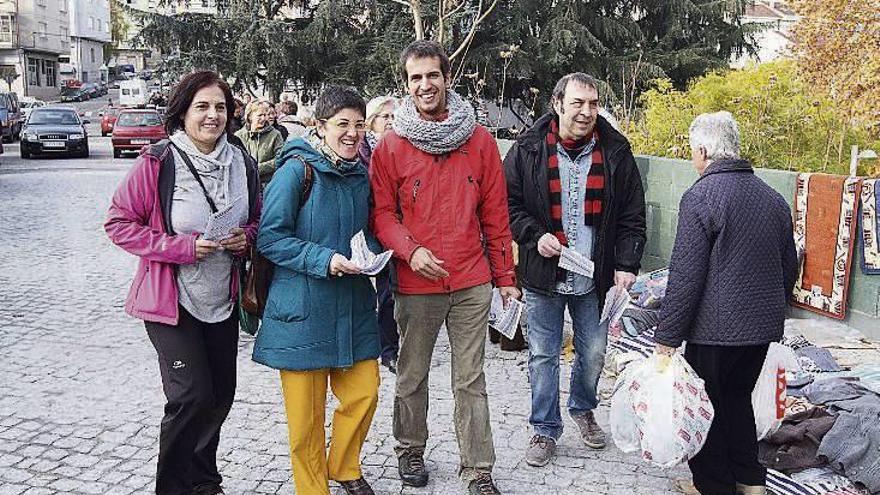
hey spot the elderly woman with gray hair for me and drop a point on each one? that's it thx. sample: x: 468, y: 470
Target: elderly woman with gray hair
x: 733, y: 267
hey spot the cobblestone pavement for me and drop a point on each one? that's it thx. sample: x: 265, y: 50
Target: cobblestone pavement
x: 80, y: 395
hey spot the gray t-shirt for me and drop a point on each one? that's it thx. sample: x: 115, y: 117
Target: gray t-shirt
x: 204, y: 286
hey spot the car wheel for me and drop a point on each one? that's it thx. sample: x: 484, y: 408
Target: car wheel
x: 103, y: 134
x: 117, y: 153
x: 25, y: 154
x: 85, y: 152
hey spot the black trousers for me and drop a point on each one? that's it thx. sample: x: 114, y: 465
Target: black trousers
x: 730, y: 455
x: 389, y: 338
x: 197, y: 362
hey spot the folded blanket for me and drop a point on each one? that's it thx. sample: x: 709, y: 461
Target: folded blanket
x: 870, y: 223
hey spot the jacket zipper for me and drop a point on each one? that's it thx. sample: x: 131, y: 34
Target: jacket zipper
x: 415, y: 191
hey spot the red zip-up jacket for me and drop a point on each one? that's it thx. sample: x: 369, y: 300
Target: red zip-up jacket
x: 455, y: 205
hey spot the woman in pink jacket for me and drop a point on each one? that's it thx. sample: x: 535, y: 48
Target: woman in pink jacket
x: 186, y: 282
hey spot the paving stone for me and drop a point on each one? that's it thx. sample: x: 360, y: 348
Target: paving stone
x: 82, y: 399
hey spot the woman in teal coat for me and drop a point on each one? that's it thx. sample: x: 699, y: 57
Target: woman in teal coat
x: 319, y: 325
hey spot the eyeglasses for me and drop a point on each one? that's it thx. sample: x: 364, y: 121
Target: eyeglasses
x: 344, y: 125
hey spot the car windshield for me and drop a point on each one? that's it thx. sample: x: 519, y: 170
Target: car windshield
x: 132, y: 119
x: 53, y: 117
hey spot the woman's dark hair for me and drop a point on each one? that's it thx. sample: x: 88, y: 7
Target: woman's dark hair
x: 337, y: 98
x: 182, y: 96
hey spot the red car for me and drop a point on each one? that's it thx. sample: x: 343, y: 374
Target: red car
x: 108, y: 120
x: 135, y: 129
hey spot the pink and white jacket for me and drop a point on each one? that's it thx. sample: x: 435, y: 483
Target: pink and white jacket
x: 139, y: 221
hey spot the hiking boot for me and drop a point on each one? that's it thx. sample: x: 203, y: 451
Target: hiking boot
x: 411, y: 467
x: 540, y: 451
x: 483, y: 485
x: 357, y: 487
x: 591, y: 432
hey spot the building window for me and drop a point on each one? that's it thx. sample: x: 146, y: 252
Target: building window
x: 7, y: 28
x: 63, y: 7
x: 43, y: 30
x: 33, y: 78
x: 41, y: 3
x: 50, y: 74
x: 92, y: 53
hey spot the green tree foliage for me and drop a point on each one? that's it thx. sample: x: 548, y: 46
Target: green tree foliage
x: 8, y: 74
x: 118, y: 29
x: 784, y: 123
x: 625, y: 44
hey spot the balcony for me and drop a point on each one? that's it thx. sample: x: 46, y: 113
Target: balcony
x: 8, y: 39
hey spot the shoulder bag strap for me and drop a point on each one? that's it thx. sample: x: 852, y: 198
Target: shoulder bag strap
x: 195, y: 174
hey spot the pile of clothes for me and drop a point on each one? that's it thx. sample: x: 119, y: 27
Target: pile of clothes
x: 829, y: 441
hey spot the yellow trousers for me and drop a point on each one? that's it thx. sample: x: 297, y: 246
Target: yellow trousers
x: 305, y: 400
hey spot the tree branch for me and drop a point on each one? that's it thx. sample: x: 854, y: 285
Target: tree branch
x: 473, y: 31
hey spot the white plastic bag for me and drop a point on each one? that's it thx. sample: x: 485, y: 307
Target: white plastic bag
x: 665, y: 415
x: 768, y: 396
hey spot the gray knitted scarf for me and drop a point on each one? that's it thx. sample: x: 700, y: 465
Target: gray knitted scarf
x: 436, y: 138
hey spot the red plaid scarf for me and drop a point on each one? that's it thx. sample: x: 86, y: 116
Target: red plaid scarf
x: 594, y: 195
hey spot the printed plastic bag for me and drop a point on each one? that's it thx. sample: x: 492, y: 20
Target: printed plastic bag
x: 768, y: 396
x: 665, y: 415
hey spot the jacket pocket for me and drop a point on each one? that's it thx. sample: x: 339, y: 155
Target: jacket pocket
x: 289, y: 299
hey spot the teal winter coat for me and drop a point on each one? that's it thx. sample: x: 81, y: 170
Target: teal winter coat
x: 313, y: 320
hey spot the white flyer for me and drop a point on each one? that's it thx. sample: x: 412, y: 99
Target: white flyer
x: 504, y: 320
x: 221, y: 223
x: 616, y: 301
x: 368, y: 262
x: 575, y: 262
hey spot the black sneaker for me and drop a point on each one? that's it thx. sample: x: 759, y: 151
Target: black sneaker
x: 411, y: 467
x: 483, y: 485
x: 391, y: 364
x: 357, y: 487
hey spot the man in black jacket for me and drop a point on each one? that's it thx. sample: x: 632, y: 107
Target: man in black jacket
x: 573, y: 185
x: 732, y: 271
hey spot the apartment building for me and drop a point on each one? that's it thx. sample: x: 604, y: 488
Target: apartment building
x: 776, y: 19
x: 89, y: 32
x: 33, y: 34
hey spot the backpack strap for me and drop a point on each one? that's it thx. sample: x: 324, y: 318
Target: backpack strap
x: 308, y: 180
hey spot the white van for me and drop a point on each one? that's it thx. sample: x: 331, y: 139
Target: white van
x: 133, y: 93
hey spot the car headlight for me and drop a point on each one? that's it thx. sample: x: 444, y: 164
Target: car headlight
x: 28, y: 136
x: 76, y: 136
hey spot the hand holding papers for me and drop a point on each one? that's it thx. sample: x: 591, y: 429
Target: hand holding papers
x: 616, y: 301
x: 369, y: 263
x: 505, y: 320
x: 575, y: 262
x: 221, y: 223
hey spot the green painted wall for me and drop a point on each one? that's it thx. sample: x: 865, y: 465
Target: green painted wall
x: 666, y: 180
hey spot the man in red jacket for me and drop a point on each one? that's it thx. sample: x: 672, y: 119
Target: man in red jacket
x: 440, y: 202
